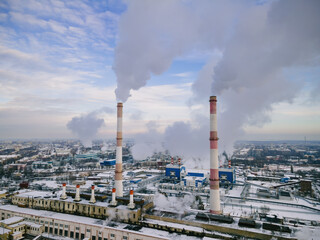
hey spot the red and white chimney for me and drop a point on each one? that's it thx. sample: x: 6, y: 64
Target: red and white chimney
x: 92, y: 199
x: 113, y: 201
x: 64, y: 194
x: 179, y: 161
x: 171, y: 160
x: 229, y: 163
x: 77, y: 197
x: 131, y: 203
x: 214, y: 163
x: 118, y: 172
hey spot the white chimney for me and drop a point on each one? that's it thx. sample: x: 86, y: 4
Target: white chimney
x: 92, y: 199
x: 77, y: 197
x: 64, y: 194
x: 113, y: 202
x: 131, y: 203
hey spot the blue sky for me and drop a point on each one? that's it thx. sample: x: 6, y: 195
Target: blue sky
x: 56, y: 64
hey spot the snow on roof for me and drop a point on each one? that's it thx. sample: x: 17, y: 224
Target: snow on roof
x: 50, y: 184
x: 11, y: 220
x: 105, y: 174
x: 4, y: 230
x: 34, y: 194
x: 16, y: 233
x: 194, y: 178
x: 32, y: 224
x: 204, y: 171
x: 68, y: 217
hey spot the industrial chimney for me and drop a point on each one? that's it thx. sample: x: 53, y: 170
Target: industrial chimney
x: 92, y: 199
x: 113, y: 201
x: 214, y: 171
x: 64, y: 194
x: 131, y: 203
x: 118, y: 172
x: 77, y: 197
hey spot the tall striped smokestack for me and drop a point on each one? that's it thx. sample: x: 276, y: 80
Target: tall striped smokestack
x: 118, y: 173
x: 229, y: 163
x: 214, y: 163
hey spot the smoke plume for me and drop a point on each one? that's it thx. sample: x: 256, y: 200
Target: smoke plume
x: 173, y: 203
x: 86, y: 126
x: 259, y: 42
x: 147, y: 143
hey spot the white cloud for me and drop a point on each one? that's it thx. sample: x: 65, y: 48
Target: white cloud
x: 183, y: 74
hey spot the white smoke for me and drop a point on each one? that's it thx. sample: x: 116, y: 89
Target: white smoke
x: 259, y: 41
x: 189, y: 141
x: 152, y: 34
x: 174, y: 204
x: 86, y: 126
x: 147, y: 143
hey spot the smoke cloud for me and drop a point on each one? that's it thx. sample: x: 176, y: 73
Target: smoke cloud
x: 153, y: 34
x: 86, y: 127
x: 147, y: 143
x: 191, y: 142
x: 178, y: 205
x: 258, y: 42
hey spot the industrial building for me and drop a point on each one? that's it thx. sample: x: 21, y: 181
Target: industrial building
x: 16, y: 227
x: 227, y: 175
x: 108, y: 163
x: 175, y: 171
x: 198, y: 177
x: 119, y: 207
x: 54, y: 225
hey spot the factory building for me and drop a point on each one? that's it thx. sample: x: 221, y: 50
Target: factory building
x: 108, y: 163
x: 197, y: 177
x: 79, y: 206
x: 16, y: 227
x: 175, y: 171
x: 227, y: 175
x: 189, y: 181
x: 61, y: 225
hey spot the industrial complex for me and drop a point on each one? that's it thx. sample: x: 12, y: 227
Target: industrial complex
x: 160, y: 198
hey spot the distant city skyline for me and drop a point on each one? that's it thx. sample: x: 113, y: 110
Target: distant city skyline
x: 57, y: 61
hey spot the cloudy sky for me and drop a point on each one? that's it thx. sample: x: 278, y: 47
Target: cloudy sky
x: 61, y: 63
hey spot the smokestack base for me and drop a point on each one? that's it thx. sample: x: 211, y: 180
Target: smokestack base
x: 131, y: 205
x: 215, y: 212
